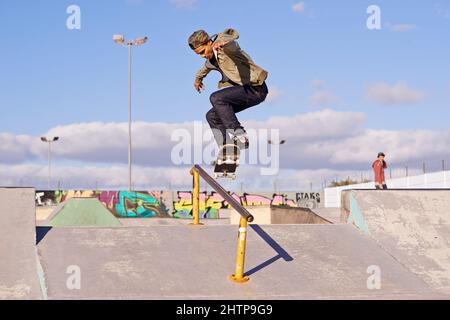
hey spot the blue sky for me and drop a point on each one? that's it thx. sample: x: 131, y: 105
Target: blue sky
x: 322, y: 57
x: 62, y: 76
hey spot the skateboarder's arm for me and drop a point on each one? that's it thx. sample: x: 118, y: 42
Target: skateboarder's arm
x: 202, y: 74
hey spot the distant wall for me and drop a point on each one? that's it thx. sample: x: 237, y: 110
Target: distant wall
x: 142, y: 204
x: 436, y: 180
x: 177, y: 204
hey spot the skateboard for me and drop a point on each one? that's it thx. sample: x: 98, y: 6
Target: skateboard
x: 227, y: 162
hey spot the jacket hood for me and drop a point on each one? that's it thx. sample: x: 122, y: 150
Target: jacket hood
x: 228, y: 35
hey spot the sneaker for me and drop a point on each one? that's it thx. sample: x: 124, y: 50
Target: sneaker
x: 240, y: 138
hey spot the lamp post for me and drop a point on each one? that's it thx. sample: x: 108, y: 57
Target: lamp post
x: 49, y: 141
x: 120, y: 40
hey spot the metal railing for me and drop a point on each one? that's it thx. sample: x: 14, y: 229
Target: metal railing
x: 246, y: 217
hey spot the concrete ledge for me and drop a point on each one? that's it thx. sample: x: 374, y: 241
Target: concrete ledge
x: 19, y: 263
x: 412, y: 225
x: 266, y: 215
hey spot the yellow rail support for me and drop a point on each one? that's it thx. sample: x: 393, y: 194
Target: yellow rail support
x: 196, y: 198
x: 240, y: 257
x: 246, y: 217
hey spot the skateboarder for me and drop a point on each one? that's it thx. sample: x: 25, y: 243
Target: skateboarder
x: 378, y: 169
x: 242, y: 86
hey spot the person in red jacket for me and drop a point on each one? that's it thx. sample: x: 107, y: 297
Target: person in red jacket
x: 378, y: 169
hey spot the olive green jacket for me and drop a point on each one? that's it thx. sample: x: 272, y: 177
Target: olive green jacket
x: 235, y: 65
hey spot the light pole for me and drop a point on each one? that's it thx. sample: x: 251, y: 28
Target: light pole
x: 120, y: 40
x: 49, y: 141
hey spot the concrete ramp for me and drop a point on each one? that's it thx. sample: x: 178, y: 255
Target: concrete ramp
x: 411, y: 225
x: 330, y: 214
x: 54, y: 212
x: 83, y: 212
x: 186, y: 262
x: 19, y: 264
x: 265, y: 215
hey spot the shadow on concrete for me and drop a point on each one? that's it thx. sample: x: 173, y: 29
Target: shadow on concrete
x: 281, y: 253
x: 41, y: 232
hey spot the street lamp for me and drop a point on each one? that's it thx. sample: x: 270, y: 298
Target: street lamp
x: 276, y: 143
x: 49, y: 141
x: 120, y: 40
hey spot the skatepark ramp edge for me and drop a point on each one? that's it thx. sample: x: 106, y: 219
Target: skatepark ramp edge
x: 411, y: 225
x: 21, y: 274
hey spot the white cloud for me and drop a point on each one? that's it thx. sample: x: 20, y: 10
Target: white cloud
x: 399, y: 93
x: 96, y: 153
x: 299, y: 7
x: 108, y: 142
x: 183, y: 3
x: 357, y: 151
x: 314, y: 125
x: 14, y: 149
x: 400, y: 146
x: 291, y: 179
x: 401, y: 27
x: 159, y: 178
x: 321, y: 98
x: 99, y: 142
x: 90, y: 177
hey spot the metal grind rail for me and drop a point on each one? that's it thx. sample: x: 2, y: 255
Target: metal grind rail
x: 246, y: 217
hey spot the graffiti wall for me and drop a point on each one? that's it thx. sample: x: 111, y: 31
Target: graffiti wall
x: 210, y: 204
x: 177, y: 204
x: 123, y: 204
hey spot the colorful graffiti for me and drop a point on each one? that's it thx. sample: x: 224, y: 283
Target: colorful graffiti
x: 211, y: 204
x: 276, y: 200
x: 308, y: 199
x: 149, y: 204
x: 138, y: 205
x: 122, y: 204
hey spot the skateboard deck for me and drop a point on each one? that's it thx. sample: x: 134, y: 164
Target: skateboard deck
x: 227, y: 162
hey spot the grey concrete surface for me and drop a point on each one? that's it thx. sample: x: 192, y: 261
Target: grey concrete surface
x: 139, y: 222
x: 411, y: 225
x: 266, y: 215
x: 331, y: 214
x: 181, y: 262
x: 287, y: 215
x: 19, y: 278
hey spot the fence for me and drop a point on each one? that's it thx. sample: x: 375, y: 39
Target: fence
x: 314, y: 181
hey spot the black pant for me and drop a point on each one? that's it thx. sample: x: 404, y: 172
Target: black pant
x: 227, y: 102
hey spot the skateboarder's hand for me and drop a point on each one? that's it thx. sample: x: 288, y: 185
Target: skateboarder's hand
x: 199, y: 87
